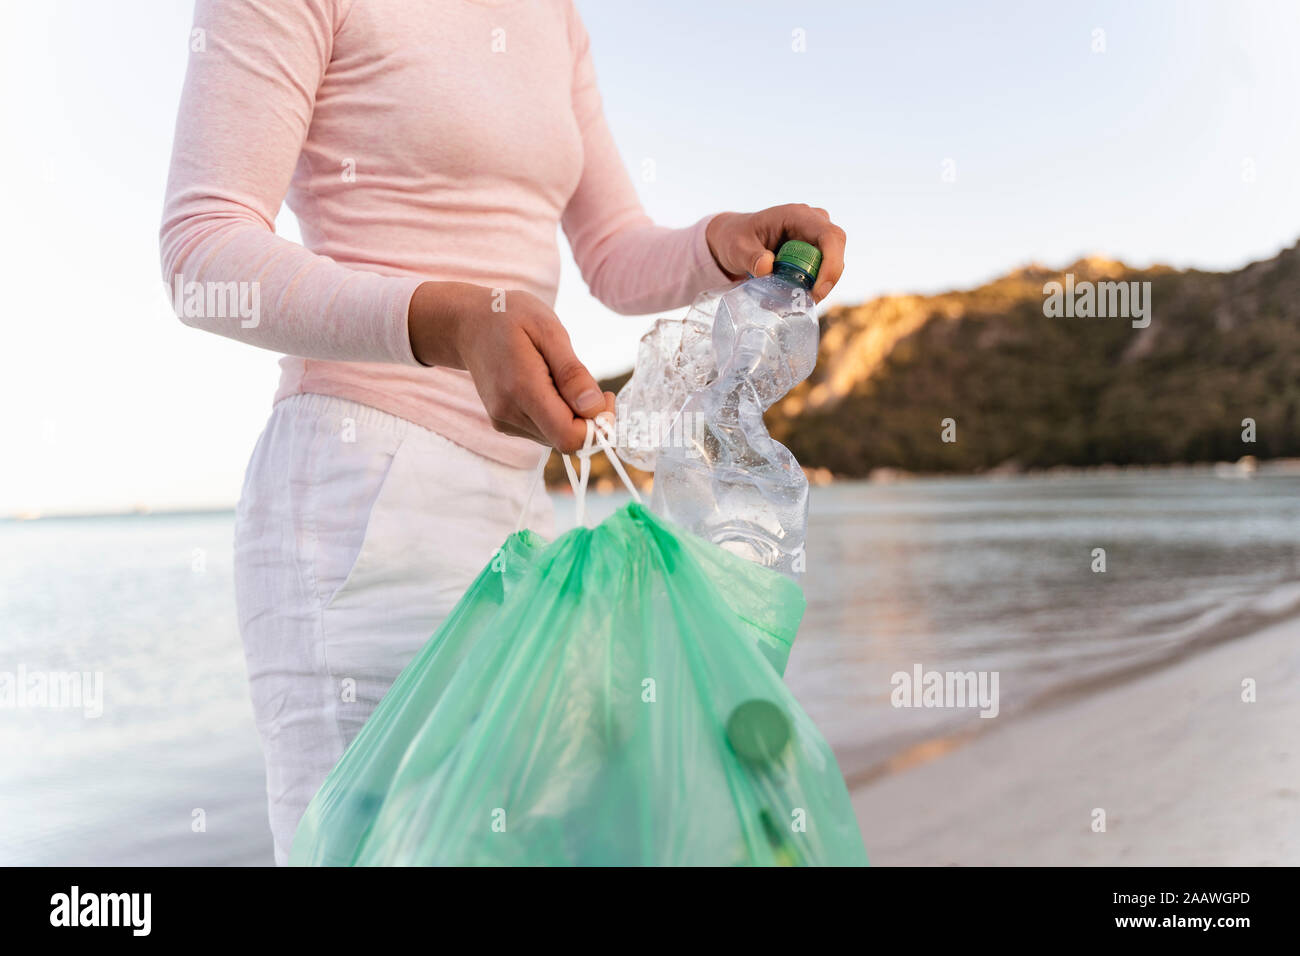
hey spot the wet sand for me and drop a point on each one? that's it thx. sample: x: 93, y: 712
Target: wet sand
x: 1186, y: 772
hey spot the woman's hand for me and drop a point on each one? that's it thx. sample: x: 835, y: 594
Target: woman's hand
x: 518, y: 354
x: 745, y: 244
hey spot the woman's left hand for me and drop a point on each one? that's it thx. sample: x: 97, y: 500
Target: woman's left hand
x: 745, y: 243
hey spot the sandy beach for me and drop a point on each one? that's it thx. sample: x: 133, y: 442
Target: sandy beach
x: 1186, y: 772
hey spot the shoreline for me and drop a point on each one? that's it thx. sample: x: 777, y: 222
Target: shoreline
x: 1186, y: 772
x: 603, y: 483
x: 1245, y: 467
x: 879, y: 759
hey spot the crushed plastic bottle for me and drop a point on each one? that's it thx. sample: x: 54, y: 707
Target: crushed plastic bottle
x: 726, y: 479
x: 673, y: 361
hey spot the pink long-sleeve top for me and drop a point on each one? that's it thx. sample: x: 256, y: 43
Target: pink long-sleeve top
x: 413, y: 141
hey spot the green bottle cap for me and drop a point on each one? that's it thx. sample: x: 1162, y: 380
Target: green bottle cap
x: 802, y: 255
x: 758, y: 730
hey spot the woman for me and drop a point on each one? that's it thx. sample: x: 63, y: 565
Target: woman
x: 429, y: 151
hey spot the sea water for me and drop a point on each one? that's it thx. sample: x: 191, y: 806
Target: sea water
x: 956, y: 575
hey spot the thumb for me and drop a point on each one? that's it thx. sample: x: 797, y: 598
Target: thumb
x: 737, y: 245
x: 763, y: 263
x: 749, y: 256
x: 575, y: 384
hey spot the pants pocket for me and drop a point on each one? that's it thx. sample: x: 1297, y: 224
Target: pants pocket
x: 353, y: 514
x: 441, y: 514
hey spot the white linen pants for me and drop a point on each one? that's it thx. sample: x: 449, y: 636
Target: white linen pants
x: 356, y: 534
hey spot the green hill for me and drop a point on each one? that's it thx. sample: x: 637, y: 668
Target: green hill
x: 1029, y: 391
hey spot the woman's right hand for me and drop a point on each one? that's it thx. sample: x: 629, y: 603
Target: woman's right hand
x: 518, y: 355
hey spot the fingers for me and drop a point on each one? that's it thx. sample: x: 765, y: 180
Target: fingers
x: 750, y: 256
x: 831, y: 245
x: 550, y: 394
x: 799, y: 221
x: 609, y: 416
x: 521, y: 398
x: 531, y: 382
x: 737, y: 247
x: 551, y: 415
x: 535, y: 418
x: 746, y: 243
x: 508, y: 428
x: 574, y: 431
x: 577, y: 386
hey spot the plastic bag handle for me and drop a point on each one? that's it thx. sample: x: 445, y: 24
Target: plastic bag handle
x: 599, y: 438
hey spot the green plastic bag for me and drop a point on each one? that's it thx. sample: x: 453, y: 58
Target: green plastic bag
x: 611, y: 698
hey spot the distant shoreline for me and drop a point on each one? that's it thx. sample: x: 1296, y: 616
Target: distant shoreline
x: 137, y: 512
x: 1246, y: 467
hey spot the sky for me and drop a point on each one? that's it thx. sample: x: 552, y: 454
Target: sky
x: 952, y: 141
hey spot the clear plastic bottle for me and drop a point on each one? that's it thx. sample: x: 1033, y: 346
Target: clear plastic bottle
x: 727, y: 480
x: 673, y: 361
